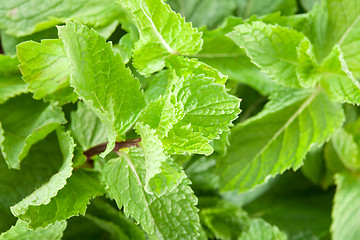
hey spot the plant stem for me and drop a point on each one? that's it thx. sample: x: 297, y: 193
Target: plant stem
x: 118, y: 145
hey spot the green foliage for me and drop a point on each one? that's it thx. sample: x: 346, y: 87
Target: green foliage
x: 122, y: 120
x: 21, y: 232
x: 20, y: 129
x: 171, y: 216
x: 10, y: 78
x: 280, y: 136
x: 158, y: 37
x: 278, y: 58
x: 44, y: 67
x: 20, y: 18
x: 101, y: 71
x: 346, y: 207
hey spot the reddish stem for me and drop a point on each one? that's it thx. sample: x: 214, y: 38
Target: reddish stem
x: 96, y: 150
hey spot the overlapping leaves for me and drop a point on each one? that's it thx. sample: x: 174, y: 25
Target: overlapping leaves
x: 159, y: 38
x: 101, y: 80
x: 171, y: 216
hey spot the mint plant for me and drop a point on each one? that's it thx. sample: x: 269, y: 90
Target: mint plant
x: 122, y: 120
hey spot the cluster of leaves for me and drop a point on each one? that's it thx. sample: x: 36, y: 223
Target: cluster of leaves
x: 115, y: 121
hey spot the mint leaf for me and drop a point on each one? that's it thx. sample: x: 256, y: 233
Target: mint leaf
x: 182, y: 139
x: 9, y: 42
x: 103, y: 214
x: 30, y: 123
x: 101, y: 80
x: 158, y: 38
x: 308, y: 4
x: 208, y: 114
x: 226, y: 221
x: 11, y: 83
x: 301, y: 210
x: 282, y: 135
x: 187, y: 120
x: 346, y: 207
x: 246, y: 8
x: 171, y: 216
x: 21, y: 232
x: 222, y: 220
x: 160, y: 176
x: 126, y: 44
x: 202, y: 13
x: 157, y: 85
x: 314, y: 167
x: 338, y: 23
x: 221, y: 52
x: 21, y: 17
x: 259, y: 229
x: 44, y: 67
x: 307, y: 70
x: 346, y: 149
x: 15, y: 185
x: 86, y: 127
x: 185, y: 67
x: 339, y: 83
x: 47, y: 191
x: 71, y: 200
x: 278, y: 58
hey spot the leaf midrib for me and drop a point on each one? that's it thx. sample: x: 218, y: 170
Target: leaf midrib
x: 155, y: 30
x: 133, y: 169
x: 287, y: 124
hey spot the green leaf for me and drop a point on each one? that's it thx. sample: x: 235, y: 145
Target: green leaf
x: 158, y: 38
x: 202, y: 173
x: 314, y: 166
x: 114, y: 221
x: 307, y: 70
x: 308, y: 4
x: 261, y: 230
x: 47, y: 191
x: 246, y: 8
x: 71, y: 200
x: 296, y: 206
x: 86, y: 127
x: 200, y: 13
x: 15, y: 185
x: 160, y: 176
x: 221, y: 52
x: 346, y: 210
x: 160, y: 115
x: 182, y: 139
x: 340, y: 25
x: 347, y: 150
x: 44, y: 67
x: 11, y: 83
x: 185, y: 118
x: 101, y: 80
x: 281, y: 135
x: 126, y: 44
x: 184, y: 67
x: 337, y: 80
x: 83, y: 228
x: 21, y: 232
x: 221, y: 219
x: 23, y: 123
x: 21, y: 17
x: 171, y: 216
x: 273, y: 49
x: 157, y: 85
x: 226, y: 221
x: 9, y: 42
